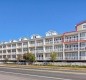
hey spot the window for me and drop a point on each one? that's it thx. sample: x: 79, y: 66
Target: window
x: 9, y: 51
x: 84, y: 26
x: 14, y: 50
x: 0, y: 46
x: 13, y: 56
x: 13, y: 45
x: 4, y: 46
x: 82, y: 35
x: 0, y: 51
x: 4, y: 51
x: 25, y: 49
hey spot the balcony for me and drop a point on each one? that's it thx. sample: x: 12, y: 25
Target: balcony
x: 59, y: 41
x: 13, y: 52
x: 25, y: 46
x: 71, y: 58
x: 82, y: 57
x: 39, y: 58
x: 0, y: 48
x: 82, y: 38
x: 19, y: 47
x: 4, y: 48
x: 39, y: 44
x: 48, y: 50
x: 9, y: 47
x: 48, y: 43
x: 32, y: 45
x: 39, y: 51
x: 13, y: 47
x: 71, y: 40
x: 82, y: 48
x: 58, y: 50
x: 33, y: 51
x: 71, y: 49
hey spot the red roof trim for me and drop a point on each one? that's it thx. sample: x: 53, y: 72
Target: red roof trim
x: 69, y: 32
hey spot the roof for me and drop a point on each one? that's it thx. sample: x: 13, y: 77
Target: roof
x: 80, y: 23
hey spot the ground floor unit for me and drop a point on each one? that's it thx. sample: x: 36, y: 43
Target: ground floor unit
x: 76, y: 55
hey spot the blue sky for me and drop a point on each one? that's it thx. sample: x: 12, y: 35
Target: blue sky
x: 19, y: 18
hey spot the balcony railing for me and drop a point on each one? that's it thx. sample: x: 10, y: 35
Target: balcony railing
x: 58, y: 50
x: 82, y: 48
x: 39, y: 51
x: 32, y: 51
x: 31, y: 45
x: 25, y: 45
x: 48, y: 50
x: 19, y: 46
x: 70, y: 40
x: 71, y: 58
x: 71, y: 49
x: 39, y: 44
x: 82, y: 38
x: 49, y: 42
x: 39, y: 58
x: 59, y: 41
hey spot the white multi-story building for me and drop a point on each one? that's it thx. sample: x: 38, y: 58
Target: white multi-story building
x: 69, y: 46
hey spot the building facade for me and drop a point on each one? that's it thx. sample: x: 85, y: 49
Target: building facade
x: 69, y: 46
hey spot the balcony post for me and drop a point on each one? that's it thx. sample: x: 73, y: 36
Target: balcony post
x: 78, y: 46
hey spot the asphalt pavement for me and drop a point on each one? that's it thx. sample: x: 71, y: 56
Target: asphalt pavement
x: 33, y: 74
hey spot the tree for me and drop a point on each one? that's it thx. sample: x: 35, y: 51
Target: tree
x: 19, y: 57
x: 53, y: 56
x: 29, y: 57
x: 6, y: 59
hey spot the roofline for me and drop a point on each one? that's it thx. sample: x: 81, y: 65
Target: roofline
x: 79, y: 24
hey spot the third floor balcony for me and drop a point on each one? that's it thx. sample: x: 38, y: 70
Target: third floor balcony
x: 48, y: 50
x: 71, y: 40
x: 39, y: 44
x: 82, y: 48
x: 71, y: 49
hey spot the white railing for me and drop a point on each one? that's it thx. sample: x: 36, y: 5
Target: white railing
x: 8, y: 47
x: 71, y: 49
x: 39, y: 58
x: 18, y: 46
x: 39, y: 44
x: 82, y: 48
x: 72, y: 39
x: 58, y: 50
x: 32, y: 45
x: 82, y: 38
x: 71, y: 58
x: 49, y: 42
x: 48, y: 50
x: 25, y: 45
x: 39, y: 51
x: 59, y: 41
x: 32, y: 51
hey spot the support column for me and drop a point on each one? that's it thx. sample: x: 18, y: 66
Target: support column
x: 63, y: 47
x: 35, y: 50
x: 53, y: 44
x: 2, y: 54
x: 28, y: 46
x: 44, y: 49
x: 16, y: 51
x: 63, y: 51
x: 11, y: 52
x: 78, y: 46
